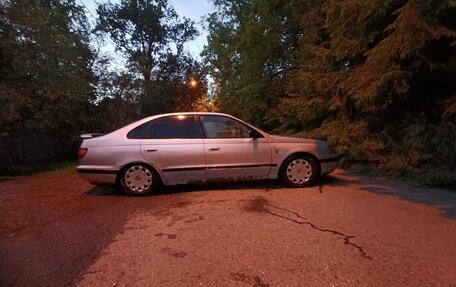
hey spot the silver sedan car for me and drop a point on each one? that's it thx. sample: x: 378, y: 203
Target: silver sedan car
x: 181, y: 148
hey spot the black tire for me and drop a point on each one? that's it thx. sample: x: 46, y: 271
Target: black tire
x: 139, y: 180
x: 299, y: 171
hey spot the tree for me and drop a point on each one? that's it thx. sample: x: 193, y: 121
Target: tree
x: 118, y: 105
x: 250, y: 48
x: 375, y: 78
x: 46, y: 76
x: 152, y: 36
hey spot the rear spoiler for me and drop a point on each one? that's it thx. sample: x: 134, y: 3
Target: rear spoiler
x: 89, y: 136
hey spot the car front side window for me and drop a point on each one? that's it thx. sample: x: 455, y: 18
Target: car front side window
x: 223, y: 127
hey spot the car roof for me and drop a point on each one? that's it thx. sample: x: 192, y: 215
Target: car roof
x: 186, y: 113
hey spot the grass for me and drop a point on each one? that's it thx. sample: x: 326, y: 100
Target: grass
x: 438, y: 177
x: 30, y: 169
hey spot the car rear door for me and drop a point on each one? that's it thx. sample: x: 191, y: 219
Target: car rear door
x: 175, y: 146
x: 231, y: 151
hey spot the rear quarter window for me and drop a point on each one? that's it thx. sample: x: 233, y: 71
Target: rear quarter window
x: 139, y: 131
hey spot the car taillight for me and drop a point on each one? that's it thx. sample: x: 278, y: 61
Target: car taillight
x: 82, y: 152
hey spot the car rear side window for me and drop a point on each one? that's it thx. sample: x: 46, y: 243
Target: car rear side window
x: 175, y: 127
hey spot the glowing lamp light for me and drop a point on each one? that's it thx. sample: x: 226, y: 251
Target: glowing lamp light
x: 180, y: 117
x: 193, y: 83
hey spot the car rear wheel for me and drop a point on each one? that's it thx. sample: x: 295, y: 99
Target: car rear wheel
x: 138, y: 180
x: 299, y: 171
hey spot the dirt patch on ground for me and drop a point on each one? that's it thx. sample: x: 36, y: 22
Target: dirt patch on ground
x: 256, y: 204
x: 253, y: 280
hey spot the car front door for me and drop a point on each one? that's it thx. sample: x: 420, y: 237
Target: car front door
x: 174, y: 145
x: 234, y: 150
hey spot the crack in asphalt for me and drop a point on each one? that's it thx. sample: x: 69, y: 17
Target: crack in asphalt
x: 346, y: 238
x: 287, y: 210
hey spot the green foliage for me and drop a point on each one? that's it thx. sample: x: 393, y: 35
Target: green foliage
x: 250, y: 46
x: 44, y: 46
x: 118, y: 95
x: 375, y: 78
x: 30, y: 169
x: 45, y: 79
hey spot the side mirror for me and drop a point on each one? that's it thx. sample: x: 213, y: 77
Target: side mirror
x: 253, y: 134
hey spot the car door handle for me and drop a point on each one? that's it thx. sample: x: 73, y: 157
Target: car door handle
x: 214, y: 148
x: 151, y: 149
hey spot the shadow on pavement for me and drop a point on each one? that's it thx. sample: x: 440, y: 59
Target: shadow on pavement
x: 266, y: 185
x: 104, y: 190
x: 444, y: 200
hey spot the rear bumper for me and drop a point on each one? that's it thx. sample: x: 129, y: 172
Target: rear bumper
x: 98, y: 174
x: 329, y: 164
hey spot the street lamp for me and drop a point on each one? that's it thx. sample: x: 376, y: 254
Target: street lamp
x: 193, y: 83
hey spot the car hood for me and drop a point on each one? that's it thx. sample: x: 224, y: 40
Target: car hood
x: 284, y: 139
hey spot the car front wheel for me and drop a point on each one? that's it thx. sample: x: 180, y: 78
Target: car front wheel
x: 299, y: 171
x: 138, y: 180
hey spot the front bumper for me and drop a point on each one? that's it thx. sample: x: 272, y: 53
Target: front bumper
x: 329, y: 164
x: 98, y: 174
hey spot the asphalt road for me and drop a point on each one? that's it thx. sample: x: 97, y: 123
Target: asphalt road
x: 351, y: 230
